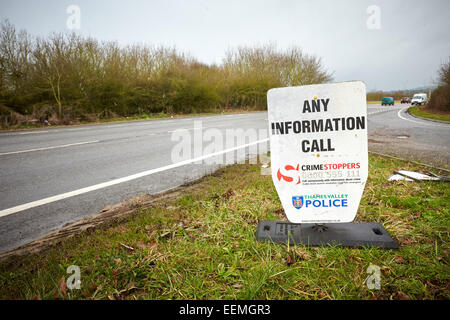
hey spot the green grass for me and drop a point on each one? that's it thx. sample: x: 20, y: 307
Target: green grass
x: 202, y: 246
x: 423, y: 112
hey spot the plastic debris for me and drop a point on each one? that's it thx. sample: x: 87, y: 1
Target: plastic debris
x: 397, y: 177
x: 126, y: 247
x: 404, y: 175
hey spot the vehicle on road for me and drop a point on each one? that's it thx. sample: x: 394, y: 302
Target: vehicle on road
x: 389, y: 101
x: 419, y: 99
x: 405, y: 100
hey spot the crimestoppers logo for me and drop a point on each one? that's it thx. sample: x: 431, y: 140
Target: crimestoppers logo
x: 289, y: 174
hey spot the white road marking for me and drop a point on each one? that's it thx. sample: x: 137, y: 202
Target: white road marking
x: 425, y: 122
x: 375, y: 112
x: 33, y: 132
x: 93, y: 127
x: 48, y: 148
x: 197, y: 128
x: 399, y: 114
x: 77, y: 192
x: 179, y: 129
x: 403, y: 118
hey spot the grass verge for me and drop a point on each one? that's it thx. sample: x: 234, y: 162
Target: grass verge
x: 423, y: 112
x: 202, y: 245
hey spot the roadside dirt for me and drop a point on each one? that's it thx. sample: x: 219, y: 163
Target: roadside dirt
x: 109, y: 215
x: 401, y: 143
x: 119, y: 213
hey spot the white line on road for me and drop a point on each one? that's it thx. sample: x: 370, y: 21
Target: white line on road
x: 70, y: 194
x: 424, y: 122
x: 115, y: 125
x: 48, y: 148
x: 375, y: 112
x: 33, y: 132
x: 198, y: 128
x: 179, y: 129
x: 403, y: 118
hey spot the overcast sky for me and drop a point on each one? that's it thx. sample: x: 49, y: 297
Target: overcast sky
x: 402, y: 49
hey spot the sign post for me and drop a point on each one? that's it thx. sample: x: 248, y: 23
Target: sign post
x: 319, y: 163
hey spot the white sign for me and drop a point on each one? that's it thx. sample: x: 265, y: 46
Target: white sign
x: 318, y: 150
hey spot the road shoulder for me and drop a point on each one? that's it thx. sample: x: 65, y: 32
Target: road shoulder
x: 415, y: 115
x: 200, y: 244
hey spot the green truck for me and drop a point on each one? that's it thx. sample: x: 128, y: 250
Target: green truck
x: 388, y: 101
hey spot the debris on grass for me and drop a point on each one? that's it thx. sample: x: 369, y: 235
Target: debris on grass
x: 126, y: 247
x: 416, y: 176
x: 206, y: 248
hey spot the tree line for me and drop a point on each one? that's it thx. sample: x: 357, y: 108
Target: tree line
x: 65, y: 78
x: 440, y: 97
x: 397, y: 95
x: 439, y: 100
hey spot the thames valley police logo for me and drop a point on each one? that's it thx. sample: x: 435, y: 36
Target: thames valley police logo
x: 297, y: 202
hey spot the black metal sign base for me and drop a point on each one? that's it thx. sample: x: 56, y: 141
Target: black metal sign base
x: 353, y: 234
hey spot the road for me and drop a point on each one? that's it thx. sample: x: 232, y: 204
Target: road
x: 53, y: 176
x: 393, y: 131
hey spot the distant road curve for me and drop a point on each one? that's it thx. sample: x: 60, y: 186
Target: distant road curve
x: 392, y: 130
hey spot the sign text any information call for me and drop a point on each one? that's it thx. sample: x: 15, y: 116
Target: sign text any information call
x: 319, y: 154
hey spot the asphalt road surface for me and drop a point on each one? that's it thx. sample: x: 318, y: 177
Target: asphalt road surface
x: 395, y: 132
x: 53, y: 176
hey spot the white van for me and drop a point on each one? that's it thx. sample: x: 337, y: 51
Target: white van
x: 419, y: 99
